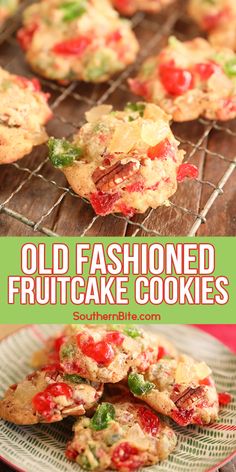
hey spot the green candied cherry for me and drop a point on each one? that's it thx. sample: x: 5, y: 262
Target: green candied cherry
x: 132, y: 332
x: 73, y: 9
x: 84, y: 459
x: 74, y: 378
x: 230, y: 67
x: 138, y: 107
x: 62, y: 153
x: 68, y: 351
x: 138, y: 385
x: 104, y: 414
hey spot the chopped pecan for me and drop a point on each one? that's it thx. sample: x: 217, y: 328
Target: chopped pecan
x: 74, y: 410
x: 108, y: 178
x: 188, y: 397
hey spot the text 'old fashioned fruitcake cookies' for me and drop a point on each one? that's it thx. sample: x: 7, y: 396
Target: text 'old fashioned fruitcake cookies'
x: 190, y: 79
x: 129, y: 7
x: 23, y: 113
x: 218, y: 18
x: 122, y: 436
x: 77, y: 40
x: 121, y: 161
x: 47, y: 396
x: 179, y: 387
x: 7, y: 8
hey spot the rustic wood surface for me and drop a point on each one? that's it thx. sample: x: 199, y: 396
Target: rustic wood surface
x: 8, y: 329
x: 29, y: 197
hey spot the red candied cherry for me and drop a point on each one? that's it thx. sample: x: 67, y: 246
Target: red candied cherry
x: 43, y: 404
x: 115, y: 337
x: 114, y: 37
x: 149, y: 421
x: 224, y: 398
x: 25, y: 35
x: 175, y: 79
x: 103, y: 203
x: 60, y: 388
x: 162, y: 352
x: 26, y: 83
x: 207, y: 381
x: 146, y: 358
x: 123, y: 5
x: 127, y: 211
x: 213, y: 20
x: 139, y: 87
x: 182, y: 417
x: 185, y: 171
x: 135, y: 187
x: 126, y: 457
x: 73, y: 46
x: 206, y: 69
x: 162, y: 150
x: 71, y: 453
x: 101, y: 352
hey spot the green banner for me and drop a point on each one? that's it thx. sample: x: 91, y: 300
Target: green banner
x: 164, y: 280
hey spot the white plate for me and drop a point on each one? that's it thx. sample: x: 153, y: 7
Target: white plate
x: 41, y: 448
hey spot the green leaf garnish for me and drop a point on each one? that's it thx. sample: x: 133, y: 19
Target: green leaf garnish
x: 74, y: 378
x: 62, y: 153
x: 230, y: 67
x: 138, y: 385
x: 73, y: 9
x: 132, y: 332
x: 136, y: 107
x: 102, y: 417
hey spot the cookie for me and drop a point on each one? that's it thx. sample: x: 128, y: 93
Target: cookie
x: 120, y: 436
x: 180, y: 388
x: 7, y: 8
x: 218, y: 19
x: 101, y: 353
x: 121, y: 161
x: 147, y: 349
x: 67, y: 41
x: 23, y: 113
x: 129, y: 7
x: 190, y: 79
x: 48, y: 396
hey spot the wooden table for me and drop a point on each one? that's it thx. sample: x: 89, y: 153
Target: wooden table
x: 7, y: 329
x: 35, y: 198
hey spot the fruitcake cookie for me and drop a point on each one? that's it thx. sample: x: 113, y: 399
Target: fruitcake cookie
x: 7, y: 8
x: 218, y: 18
x: 190, y: 79
x: 129, y: 7
x: 69, y: 40
x: 120, y: 436
x: 149, y: 347
x: 180, y: 388
x: 122, y: 161
x: 23, y: 114
x: 106, y: 353
x: 47, y: 396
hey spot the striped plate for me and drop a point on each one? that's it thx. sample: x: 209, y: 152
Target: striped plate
x: 41, y: 448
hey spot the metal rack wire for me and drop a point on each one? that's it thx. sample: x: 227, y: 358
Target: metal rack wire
x: 81, y: 98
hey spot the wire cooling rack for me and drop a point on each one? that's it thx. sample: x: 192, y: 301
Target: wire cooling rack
x: 34, y: 197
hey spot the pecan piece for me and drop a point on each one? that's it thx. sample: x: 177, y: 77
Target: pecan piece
x: 188, y: 397
x: 107, y: 179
